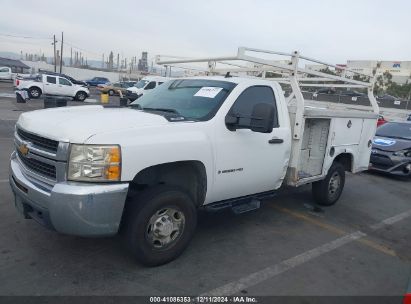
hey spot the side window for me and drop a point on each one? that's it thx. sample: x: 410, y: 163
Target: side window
x: 4, y: 70
x: 160, y: 83
x: 64, y: 81
x: 51, y: 79
x: 244, y: 104
x: 150, y: 86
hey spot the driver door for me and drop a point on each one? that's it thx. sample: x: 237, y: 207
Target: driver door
x: 249, y: 162
x: 65, y: 87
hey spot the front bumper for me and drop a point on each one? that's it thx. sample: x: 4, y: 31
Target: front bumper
x: 132, y: 96
x: 386, y: 162
x: 71, y: 208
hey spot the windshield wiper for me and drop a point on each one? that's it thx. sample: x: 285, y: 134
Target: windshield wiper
x: 136, y: 105
x: 161, y: 110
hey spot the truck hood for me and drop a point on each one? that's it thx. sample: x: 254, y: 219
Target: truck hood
x: 135, y: 90
x: 77, y: 124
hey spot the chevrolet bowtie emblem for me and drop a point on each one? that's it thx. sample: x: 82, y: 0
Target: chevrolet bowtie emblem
x: 23, y: 149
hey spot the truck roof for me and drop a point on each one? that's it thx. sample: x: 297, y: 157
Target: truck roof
x: 232, y: 79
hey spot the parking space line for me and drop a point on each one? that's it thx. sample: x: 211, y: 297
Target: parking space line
x: 274, y: 270
x: 311, y: 220
x: 277, y: 269
x: 391, y: 220
x: 378, y: 247
x: 366, y: 242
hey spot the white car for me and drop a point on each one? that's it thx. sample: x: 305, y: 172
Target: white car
x: 5, y: 73
x: 52, y: 84
x: 144, y: 85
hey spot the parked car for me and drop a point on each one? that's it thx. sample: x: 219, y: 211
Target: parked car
x: 112, y: 89
x: 326, y: 91
x: 391, y: 149
x: 381, y: 120
x: 130, y: 83
x: 352, y: 93
x: 5, y: 73
x: 388, y: 97
x: 74, y: 81
x: 409, y: 117
x: 144, y: 85
x: 96, y: 81
x: 51, y: 84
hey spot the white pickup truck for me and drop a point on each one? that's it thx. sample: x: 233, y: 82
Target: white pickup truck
x: 52, y: 84
x: 208, y: 142
x: 145, y: 85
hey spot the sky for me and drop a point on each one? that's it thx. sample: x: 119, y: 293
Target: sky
x: 333, y: 31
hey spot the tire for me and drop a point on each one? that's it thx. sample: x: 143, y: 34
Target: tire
x: 110, y: 92
x: 166, y: 209
x: 81, y: 96
x: 34, y: 92
x: 327, y: 191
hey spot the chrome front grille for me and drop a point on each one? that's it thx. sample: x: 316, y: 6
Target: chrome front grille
x: 38, y: 166
x: 43, y: 160
x: 38, y: 141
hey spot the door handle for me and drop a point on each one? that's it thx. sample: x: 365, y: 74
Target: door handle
x: 276, y: 141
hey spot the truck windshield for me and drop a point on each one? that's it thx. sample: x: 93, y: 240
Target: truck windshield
x: 141, y: 84
x: 196, y: 99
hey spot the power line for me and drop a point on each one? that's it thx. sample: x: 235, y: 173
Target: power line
x: 24, y: 37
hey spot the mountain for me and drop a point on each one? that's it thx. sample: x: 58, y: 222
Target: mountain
x: 10, y: 55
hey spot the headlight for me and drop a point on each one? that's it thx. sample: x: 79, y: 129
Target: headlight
x: 403, y: 153
x: 94, y: 163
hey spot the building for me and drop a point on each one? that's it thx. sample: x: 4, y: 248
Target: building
x: 400, y: 70
x: 143, y: 63
x: 16, y: 65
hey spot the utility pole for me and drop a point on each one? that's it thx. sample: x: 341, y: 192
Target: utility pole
x: 55, y: 61
x: 71, y: 56
x: 61, y: 54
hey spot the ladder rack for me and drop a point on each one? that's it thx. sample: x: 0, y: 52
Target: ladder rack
x: 292, y: 74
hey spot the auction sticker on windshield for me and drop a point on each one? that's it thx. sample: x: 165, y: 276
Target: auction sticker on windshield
x: 209, y: 92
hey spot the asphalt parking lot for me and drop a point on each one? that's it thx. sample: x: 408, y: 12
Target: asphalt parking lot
x: 361, y: 246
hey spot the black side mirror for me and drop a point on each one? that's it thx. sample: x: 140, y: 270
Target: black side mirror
x: 262, y: 119
x: 231, y: 121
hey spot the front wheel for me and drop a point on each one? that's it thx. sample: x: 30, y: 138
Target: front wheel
x: 327, y: 191
x: 159, y: 224
x: 111, y: 92
x: 34, y: 92
x: 81, y: 96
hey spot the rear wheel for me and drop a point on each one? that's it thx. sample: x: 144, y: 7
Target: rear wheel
x: 327, y: 191
x: 34, y: 92
x: 111, y: 92
x: 81, y: 96
x: 159, y: 224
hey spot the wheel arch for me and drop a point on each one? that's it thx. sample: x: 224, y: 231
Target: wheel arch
x: 35, y: 87
x: 80, y: 91
x: 346, y: 159
x: 190, y: 176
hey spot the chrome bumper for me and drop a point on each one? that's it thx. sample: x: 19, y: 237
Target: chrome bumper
x: 72, y: 208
